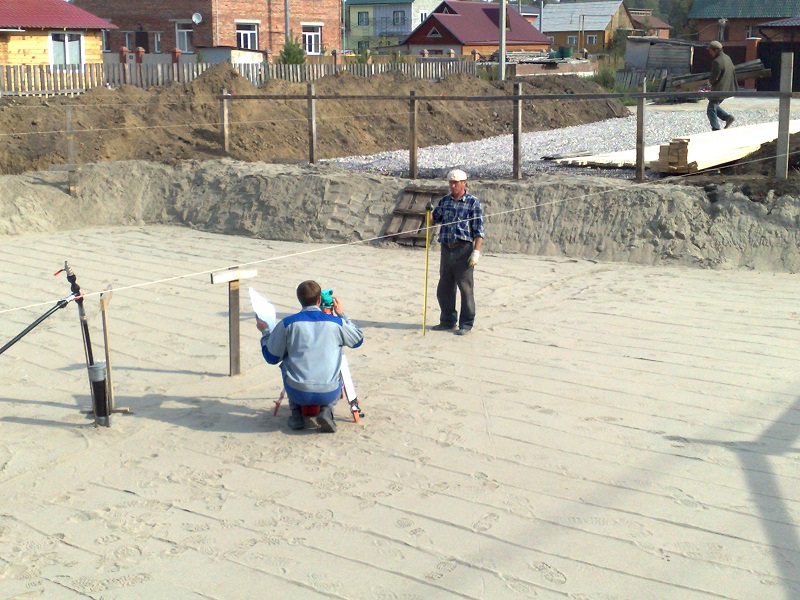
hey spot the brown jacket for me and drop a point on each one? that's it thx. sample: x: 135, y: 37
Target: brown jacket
x: 723, y: 76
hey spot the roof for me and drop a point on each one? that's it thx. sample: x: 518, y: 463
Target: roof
x: 593, y: 16
x: 478, y: 23
x: 790, y: 22
x: 41, y: 14
x: 650, y: 22
x: 744, y: 9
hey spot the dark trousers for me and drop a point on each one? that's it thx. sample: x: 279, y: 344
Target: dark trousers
x: 455, y: 274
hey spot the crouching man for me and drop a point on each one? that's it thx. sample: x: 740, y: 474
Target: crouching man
x: 308, y: 346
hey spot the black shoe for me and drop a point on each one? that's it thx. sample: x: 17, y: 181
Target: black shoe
x: 729, y: 121
x: 442, y: 327
x: 296, y: 420
x: 325, y: 419
x: 464, y: 331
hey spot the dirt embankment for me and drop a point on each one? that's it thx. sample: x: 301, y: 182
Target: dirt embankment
x: 592, y: 218
x: 180, y: 122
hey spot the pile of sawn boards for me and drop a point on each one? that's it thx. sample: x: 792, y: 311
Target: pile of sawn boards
x: 701, y: 151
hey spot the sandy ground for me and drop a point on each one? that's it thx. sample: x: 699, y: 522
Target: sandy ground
x: 608, y: 431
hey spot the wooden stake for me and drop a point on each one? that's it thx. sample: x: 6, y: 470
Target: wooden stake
x: 232, y: 278
x: 312, y: 125
x: 224, y: 122
x: 784, y: 105
x: 413, y: 140
x: 517, y: 131
x: 640, y: 134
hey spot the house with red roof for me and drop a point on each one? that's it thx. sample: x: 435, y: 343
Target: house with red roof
x: 50, y: 32
x: 466, y: 26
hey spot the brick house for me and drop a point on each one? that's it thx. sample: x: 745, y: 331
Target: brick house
x: 158, y: 26
x: 735, y: 22
x: 49, y: 32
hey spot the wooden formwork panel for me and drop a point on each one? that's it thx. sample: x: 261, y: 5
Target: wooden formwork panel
x: 407, y: 225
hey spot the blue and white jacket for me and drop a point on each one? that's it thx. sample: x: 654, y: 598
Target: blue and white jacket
x: 308, y: 346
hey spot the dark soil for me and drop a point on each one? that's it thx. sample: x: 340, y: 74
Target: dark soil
x: 179, y: 122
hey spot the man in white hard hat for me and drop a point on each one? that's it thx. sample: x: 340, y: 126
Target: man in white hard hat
x: 722, y: 79
x: 461, y: 235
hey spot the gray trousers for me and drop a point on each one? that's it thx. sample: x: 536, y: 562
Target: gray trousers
x: 455, y: 274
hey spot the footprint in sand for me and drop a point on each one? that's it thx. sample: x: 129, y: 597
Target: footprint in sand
x: 485, y: 523
x: 551, y: 574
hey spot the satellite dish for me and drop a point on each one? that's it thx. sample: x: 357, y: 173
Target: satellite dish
x: 197, y: 18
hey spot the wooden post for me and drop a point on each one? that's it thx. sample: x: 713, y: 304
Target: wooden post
x: 413, y: 139
x: 72, y: 177
x: 784, y: 105
x: 226, y: 142
x: 232, y: 278
x: 105, y: 298
x: 640, y: 103
x: 517, y: 131
x: 233, y: 327
x: 312, y: 125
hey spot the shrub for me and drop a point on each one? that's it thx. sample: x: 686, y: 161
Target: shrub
x: 293, y: 52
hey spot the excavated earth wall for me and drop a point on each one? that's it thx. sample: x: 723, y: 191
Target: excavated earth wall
x: 581, y: 217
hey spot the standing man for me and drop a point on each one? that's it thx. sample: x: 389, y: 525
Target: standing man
x: 461, y: 236
x: 308, y: 346
x: 722, y: 79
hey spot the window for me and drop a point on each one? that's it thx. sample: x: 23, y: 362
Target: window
x: 247, y: 36
x: 157, y: 42
x: 750, y: 31
x: 434, y: 33
x: 422, y: 17
x: 552, y: 39
x: 184, y: 35
x: 130, y: 42
x: 106, y: 40
x: 363, y: 18
x: 572, y: 40
x: 591, y: 39
x: 66, y: 48
x: 312, y: 39
x: 398, y: 17
x: 362, y: 46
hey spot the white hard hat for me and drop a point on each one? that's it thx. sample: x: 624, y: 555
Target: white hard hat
x: 456, y: 175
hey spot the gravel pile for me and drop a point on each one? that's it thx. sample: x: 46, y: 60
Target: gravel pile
x: 491, y: 158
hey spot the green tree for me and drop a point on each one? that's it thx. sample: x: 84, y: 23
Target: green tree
x: 676, y: 13
x: 293, y: 52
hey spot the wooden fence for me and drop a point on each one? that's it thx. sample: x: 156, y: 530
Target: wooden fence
x: 45, y: 80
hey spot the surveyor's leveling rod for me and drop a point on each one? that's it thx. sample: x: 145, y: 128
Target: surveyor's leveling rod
x: 427, y: 252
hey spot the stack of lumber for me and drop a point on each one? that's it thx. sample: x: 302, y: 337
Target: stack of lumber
x: 610, y: 160
x: 714, y: 148
x: 753, y: 69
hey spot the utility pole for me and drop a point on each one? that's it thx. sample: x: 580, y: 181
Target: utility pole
x: 287, y: 35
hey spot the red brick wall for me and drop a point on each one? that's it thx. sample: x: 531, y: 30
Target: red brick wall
x: 218, y: 27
